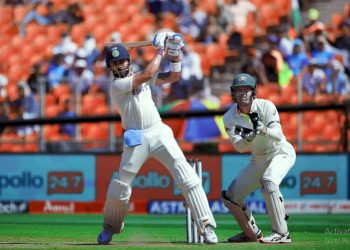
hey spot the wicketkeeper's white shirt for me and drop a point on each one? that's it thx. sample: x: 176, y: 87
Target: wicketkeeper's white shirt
x: 261, y: 145
x: 135, y: 106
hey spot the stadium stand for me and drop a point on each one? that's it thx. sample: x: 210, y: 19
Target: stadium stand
x: 19, y: 52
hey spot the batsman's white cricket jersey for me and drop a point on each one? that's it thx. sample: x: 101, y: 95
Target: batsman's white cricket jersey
x: 138, y: 111
x: 135, y: 106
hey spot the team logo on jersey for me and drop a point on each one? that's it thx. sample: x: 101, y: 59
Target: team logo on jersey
x: 242, y: 78
x: 115, y: 52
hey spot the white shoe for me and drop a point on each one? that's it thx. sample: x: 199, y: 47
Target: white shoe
x: 242, y: 237
x: 276, y: 238
x: 209, y: 235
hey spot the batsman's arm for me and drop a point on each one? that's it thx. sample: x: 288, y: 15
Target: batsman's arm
x: 150, y: 70
x: 173, y: 75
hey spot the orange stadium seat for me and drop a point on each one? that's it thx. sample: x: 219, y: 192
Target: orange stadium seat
x: 51, y: 131
x: 20, y: 11
x: 208, y: 6
x: 91, y: 102
x: 248, y: 34
x: 269, y: 16
x: 283, y: 6
x: 62, y: 90
x: 78, y: 33
x: 52, y: 111
x: 205, y: 64
x: 216, y: 54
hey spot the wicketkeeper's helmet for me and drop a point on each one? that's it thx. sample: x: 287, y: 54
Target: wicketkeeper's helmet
x: 243, y: 79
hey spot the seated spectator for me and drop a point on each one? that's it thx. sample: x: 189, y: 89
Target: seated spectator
x: 80, y: 77
x: 176, y: 7
x: 89, y: 45
x: 254, y: 66
x: 188, y: 26
x: 234, y: 14
x: 285, y: 45
x: 36, y: 75
x: 342, y: 42
x: 298, y: 60
x: 338, y: 82
x: 67, y: 128
x: 101, y: 78
x: 25, y: 130
x: 67, y: 48
x: 57, y: 71
x: 272, y: 59
x: 155, y: 7
x: 72, y: 15
x: 3, y: 84
x: 211, y: 32
x: 235, y: 40
x: 3, y: 116
x: 314, y: 79
x: 41, y: 14
x: 27, y: 100
x: 191, y: 74
x: 322, y: 56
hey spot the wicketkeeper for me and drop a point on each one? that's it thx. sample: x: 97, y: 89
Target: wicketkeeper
x: 253, y: 124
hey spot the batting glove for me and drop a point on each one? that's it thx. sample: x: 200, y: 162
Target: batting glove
x: 159, y: 40
x: 174, y: 44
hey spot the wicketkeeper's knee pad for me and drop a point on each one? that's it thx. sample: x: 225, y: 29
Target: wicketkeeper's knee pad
x: 117, y: 205
x: 243, y: 216
x: 275, y: 206
x: 188, y: 182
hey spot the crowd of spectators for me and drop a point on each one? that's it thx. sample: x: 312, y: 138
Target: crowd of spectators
x: 313, y: 56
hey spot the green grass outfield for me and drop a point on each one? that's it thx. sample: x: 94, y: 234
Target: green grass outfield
x: 162, y: 232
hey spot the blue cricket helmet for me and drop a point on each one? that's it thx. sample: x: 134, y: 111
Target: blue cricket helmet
x: 115, y: 53
x: 118, y: 52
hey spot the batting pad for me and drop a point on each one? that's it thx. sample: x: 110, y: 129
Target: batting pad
x: 244, y: 217
x: 275, y: 207
x: 116, y: 206
x: 188, y: 182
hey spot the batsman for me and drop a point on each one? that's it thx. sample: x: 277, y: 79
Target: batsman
x: 147, y: 136
x: 253, y: 125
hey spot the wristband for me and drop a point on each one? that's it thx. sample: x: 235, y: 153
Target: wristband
x: 175, y: 67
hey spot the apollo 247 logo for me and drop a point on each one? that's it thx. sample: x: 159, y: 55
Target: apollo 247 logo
x: 65, y: 182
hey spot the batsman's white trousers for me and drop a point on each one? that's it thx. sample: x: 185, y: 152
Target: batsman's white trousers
x: 159, y: 143
x: 272, y: 167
